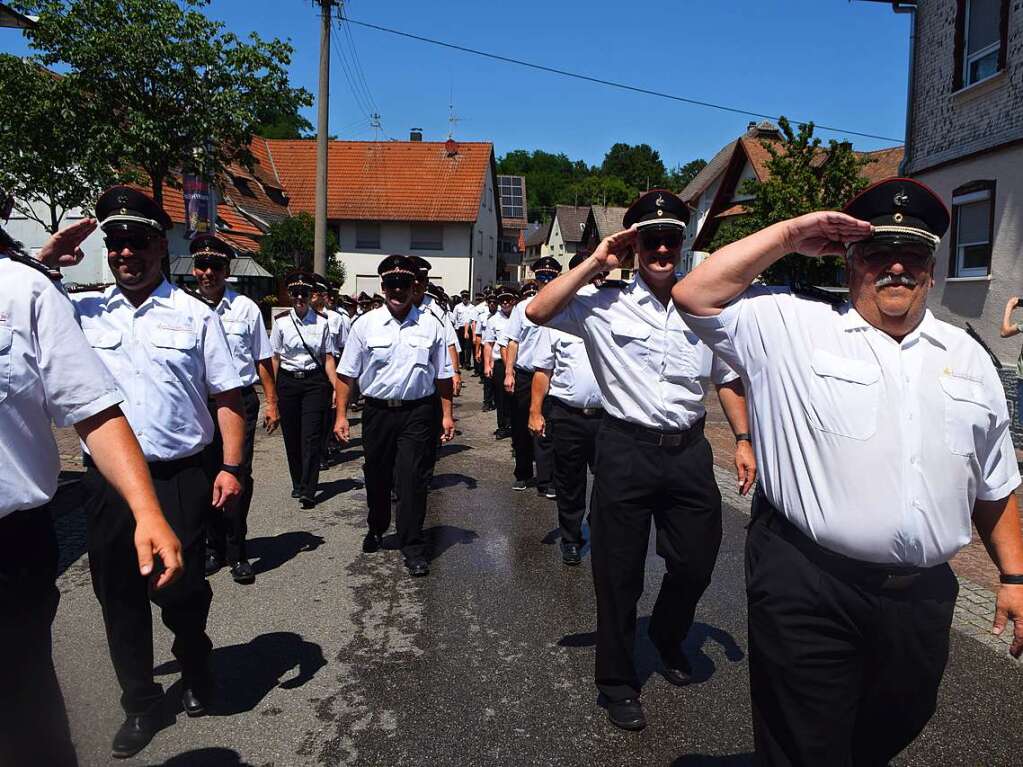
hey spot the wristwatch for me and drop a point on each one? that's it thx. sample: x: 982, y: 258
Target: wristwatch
x: 1011, y: 580
x: 743, y: 437
x: 233, y: 470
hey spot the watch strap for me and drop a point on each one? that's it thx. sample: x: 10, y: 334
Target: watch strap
x: 1011, y: 580
x: 743, y: 437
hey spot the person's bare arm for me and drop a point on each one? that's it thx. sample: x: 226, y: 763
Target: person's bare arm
x: 488, y: 360
x: 732, y: 396
x: 999, y: 527
x: 1009, y: 328
x: 707, y: 289
x: 610, y: 254
x: 343, y: 393
x: 267, y: 377
x: 119, y: 458
x: 537, y: 391
x: 446, y: 390
x: 456, y: 366
x: 226, y: 486
x: 510, y: 353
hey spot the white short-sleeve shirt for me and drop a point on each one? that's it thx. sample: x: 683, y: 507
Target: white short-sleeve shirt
x: 875, y: 448
x: 525, y: 333
x: 645, y: 359
x: 396, y: 359
x: 168, y: 356
x: 495, y: 327
x: 293, y: 337
x: 464, y: 314
x: 572, y: 379
x: 246, y: 335
x: 47, y: 373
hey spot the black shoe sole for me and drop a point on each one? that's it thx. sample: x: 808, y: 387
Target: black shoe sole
x: 195, y: 713
x: 628, y: 726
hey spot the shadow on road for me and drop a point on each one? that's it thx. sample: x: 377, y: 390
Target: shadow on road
x: 443, y: 537
x: 206, y: 757
x: 647, y: 659
x: 245, y: 673
x: 272, y: 552
x: 441, y: 481
x: 452, y: 449
x: 330, y: 489
x: 703, y: 760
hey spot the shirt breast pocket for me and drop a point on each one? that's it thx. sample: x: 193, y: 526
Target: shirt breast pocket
x: 844, y: 395
x: 685, y: 356
x: 379, y: 348
x: 175, y: 352
x: 966, y: 414
x: 6, y: 353
x: 419, y: 351
x: 633, y: 337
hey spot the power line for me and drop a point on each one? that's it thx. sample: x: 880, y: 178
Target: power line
x: 609, y: 83
x: 360, y: 100
x: 357, y: 61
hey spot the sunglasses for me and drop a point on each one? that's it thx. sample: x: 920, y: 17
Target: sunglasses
x: 653, y: 240
x: 133, y: 242
x: 202, y: 264
x: 908, y: 258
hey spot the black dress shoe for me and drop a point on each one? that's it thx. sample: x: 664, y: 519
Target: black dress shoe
x: 134, y: 735
x: 627, y: 714
x: 677, y: 668
x: 371, y: 542
x: 418, y: 567
x: 307, y: 503
x: 193, y: 702
x: 295, y: 493
x: 242, y: 572
x: 570, y: 553
x: 213, y: 562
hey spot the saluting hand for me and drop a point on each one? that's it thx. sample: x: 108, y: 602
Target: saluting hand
x: 341, y: 428
x: 154, y: 537
x: 64, y: 247
x: 825, y: 233
x: 226, y: 489
x: 745, y: 466
x: 448, y: 429
x: 1009, y: 607
x: 613, y: 250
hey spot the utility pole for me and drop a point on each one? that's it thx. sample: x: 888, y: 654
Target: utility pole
x: 322, y: 138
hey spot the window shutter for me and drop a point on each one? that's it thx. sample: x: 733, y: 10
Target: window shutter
x: 960, y: 46
x: 1003, y: 29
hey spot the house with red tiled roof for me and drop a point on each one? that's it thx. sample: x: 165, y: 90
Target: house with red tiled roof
x: 715, y: 194
x: 430, y: 199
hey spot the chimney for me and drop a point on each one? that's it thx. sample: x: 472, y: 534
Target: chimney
x: 416, y: 134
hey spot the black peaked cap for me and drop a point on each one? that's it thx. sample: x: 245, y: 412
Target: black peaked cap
x: 658, y: 207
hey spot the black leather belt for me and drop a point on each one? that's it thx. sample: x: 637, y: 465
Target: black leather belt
x: 871, y: 575
x: 396, y: 404
x: 656, y: 436
x: 588, y: 412
x: 160, y: 469
x: 301, y: 374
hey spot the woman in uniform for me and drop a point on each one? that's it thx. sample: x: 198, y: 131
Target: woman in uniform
x: 304, y: 352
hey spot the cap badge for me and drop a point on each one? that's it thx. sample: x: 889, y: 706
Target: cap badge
x: 659, y: 202
x: 897, y: 218
x: 122, y: 199
x: 901, y: 198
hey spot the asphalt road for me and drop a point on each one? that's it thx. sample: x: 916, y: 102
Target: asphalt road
x: 334, y: 657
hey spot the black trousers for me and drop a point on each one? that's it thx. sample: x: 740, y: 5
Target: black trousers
x: 302, y: 402
x: 503, y: 401
x: 226, y: 528
x: 543, y: 451
x: 574, y: 439
x: 397, y: 449
x: 842, y: 671
x: 33, y: 727
x: 636, y: 482
x: 183, y: 489
x: 465, y: 347
x: 522, y: 440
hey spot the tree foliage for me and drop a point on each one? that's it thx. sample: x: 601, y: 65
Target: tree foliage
x: 638, y: 166
x: 164, y: 85
x: 803, y: 177
x: 681, y: 176
x: 50, y: 163
x: 288, y: 245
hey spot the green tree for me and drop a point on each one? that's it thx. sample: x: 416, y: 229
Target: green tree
x: 288, y: 245
x: 803, y: 177
x: 638, y: 166
x: 681, y: 176
x: 167, y: 87
x: 287, y: 125
x: 549, y: 178
x: 602, y: 190
x: 49, y: 163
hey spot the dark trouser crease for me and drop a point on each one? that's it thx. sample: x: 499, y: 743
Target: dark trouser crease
x: 503, y: 401
x: 574, y: 439
x: 302, y: 403
x: 522, y: 440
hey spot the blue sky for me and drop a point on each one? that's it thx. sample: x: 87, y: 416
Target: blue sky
x: 836, y: 62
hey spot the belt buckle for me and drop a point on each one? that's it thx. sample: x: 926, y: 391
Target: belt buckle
x: 588, y: 411
x: 300, y: 374
x: 670, y: 440
x: 893, y: 582
x: 392, y: 403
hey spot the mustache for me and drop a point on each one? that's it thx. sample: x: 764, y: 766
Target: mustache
x: 895, y: 279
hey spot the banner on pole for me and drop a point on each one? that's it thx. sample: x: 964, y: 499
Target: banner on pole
x: 200, y: 207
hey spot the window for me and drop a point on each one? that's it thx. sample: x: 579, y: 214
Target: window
x: 972, y: 229
x: 981, y: 27
x: 367, y: 234
x: 479, y: 243
x: 427, y: 237
x: 491, y: 247
x: 512, y: 191
x: 243, y: 186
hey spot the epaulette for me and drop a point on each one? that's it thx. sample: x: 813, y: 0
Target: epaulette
x: 358, y: 317
x: 39, y: 266
x: 197, y: 296
x: 282, y: 314
x: 818, y: 294
x: 321, y: 314
x: 616, y: 284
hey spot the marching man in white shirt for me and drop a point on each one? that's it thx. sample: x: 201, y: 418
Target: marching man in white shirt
x: 168, y: 353
x: 463, y: 314
x: 253, y: 358
x: 880, y: 432
x: 399, y: 356
x: 653, y: 463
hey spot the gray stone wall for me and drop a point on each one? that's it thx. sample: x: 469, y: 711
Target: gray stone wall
x: 949, y: 125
